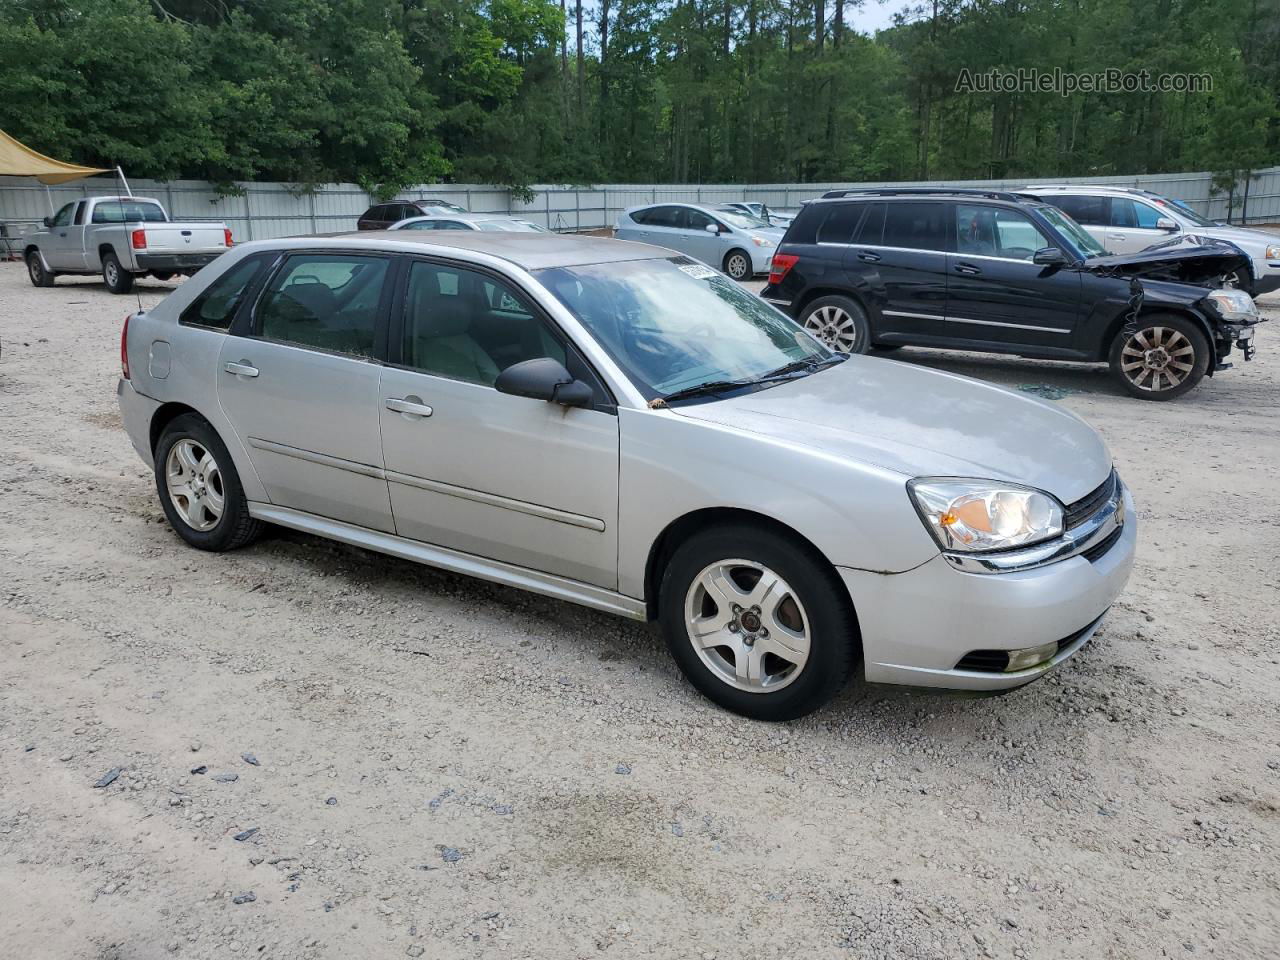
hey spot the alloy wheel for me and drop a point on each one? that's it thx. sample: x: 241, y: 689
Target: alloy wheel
x: 834, y: 327
x: 747, y: 626
x: 1157, y: 358
x: 737, y: 266
x: 194, y: 483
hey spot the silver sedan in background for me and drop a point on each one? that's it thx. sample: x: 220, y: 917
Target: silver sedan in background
x: 492, y: 223
x: 761, y: 211
x: 740, y: 245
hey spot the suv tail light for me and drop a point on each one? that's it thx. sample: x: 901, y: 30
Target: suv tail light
x: 781, y: 265
x: 138, y: 239
x: 124, y: 346
x: 226, y: 236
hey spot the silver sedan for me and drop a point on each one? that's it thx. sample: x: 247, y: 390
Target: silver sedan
x: 623, y: 427
x: 737, y: 243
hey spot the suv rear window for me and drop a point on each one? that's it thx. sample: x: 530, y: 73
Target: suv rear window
x: 1090, y: 211
x: 916, y: 226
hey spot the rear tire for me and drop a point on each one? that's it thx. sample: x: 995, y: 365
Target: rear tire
x: 40, y: 277
x: 1165, y: 357
x: 199, y: 488
x: 839, y: 322
x: 737, y: 264
x: 116, y: 277
x: 162, y: 275
x: 757, y: 622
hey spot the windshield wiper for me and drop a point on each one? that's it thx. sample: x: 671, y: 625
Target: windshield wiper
x: 783, y: 373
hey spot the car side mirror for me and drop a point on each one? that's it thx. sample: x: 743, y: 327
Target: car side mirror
x: 1167, y: 225
x: 48, y: 221
x: 1049, y: 257
x: 544, y: 379
x: 712, y: 228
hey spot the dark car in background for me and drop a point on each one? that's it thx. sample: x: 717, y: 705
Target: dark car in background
x: 1002, y: 272
x: 382, y: 215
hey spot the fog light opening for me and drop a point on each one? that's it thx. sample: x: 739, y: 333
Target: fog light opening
x: 1029, y: 657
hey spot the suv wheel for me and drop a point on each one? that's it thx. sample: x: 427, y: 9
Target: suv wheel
x: 199, y: 488
x: 838, y: 322
x: 40, y: 277
x: 757, y: 623
x: 737, y: 265
x: 1240, y: 279
x: 1163, y: 358
x: 117, y: 279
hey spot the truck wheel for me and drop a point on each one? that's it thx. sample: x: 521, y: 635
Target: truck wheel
x: 40, y: 277
x: 1163, y: 358
x: 117, y: 279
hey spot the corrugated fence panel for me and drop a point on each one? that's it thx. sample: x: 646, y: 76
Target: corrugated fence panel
x: 257, y: 211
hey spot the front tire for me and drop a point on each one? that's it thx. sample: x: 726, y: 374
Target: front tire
x: 199, y: 488
x: 757, y: 622
x: 162, y: 275
x: 1164, y: 357
x: 737, y: 264
x: 1241, y: 279
x: 839, y: 322
x: 40, y: 277
x: 117, y: 279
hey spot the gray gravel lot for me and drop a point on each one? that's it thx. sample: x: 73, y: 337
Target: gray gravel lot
x: 446, y: 769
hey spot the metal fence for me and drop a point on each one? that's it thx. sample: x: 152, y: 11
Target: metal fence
x: 266, y: 210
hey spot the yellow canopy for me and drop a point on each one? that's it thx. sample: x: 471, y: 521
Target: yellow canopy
x: 17, y: 160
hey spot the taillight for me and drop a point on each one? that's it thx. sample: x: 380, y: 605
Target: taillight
x: 226, y: 236
x: 781, y: 265
x: 139, y: 239
x: 124, y: 346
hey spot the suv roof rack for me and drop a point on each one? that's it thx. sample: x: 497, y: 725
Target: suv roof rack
x: 1116, y: 187
x: 930, y: 191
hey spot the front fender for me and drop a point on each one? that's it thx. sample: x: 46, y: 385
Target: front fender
x: 858, y: 515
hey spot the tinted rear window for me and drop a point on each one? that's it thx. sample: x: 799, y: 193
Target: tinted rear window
x: 840, y: 223
x: 871, y: 230
x: 1091, y: 211
x: 217, y: 306
x: 916, y: 226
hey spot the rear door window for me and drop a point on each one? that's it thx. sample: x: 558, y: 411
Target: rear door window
x: 1085, y: 210
x: 871, y: 229
x: 916, y: 225
x: 325, y: 301
x: 841, y: 223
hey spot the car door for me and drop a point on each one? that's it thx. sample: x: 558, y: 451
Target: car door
x: 665, y: 226
x: 508, y: 478
x: 995, y: 293
x: 634, y: 226
x: 699, y: 242
x: 899, y: 258
x: 56, y: 245
x: 300, y: 385
x: 1133, y: 226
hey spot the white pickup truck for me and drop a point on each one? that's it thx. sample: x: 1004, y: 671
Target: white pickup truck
x: 120, y: 237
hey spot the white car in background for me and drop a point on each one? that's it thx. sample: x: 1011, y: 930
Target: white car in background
x: 1126, y: 220
x: 488, y: 222
x: 761, y: 211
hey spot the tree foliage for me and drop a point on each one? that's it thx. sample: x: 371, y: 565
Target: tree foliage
x: 391, y: 92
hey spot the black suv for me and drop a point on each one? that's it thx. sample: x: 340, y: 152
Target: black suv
x: 382, y: 215
x: 1008, y: 273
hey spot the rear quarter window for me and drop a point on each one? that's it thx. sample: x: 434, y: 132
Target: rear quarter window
x: 221, y: 300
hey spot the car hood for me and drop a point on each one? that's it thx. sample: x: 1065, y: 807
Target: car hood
x: 921, y: 422
x: 1185, y: 259
x: 1245, y: 236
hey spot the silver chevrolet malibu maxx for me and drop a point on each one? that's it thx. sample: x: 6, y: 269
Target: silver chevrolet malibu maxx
x: 623, y: 427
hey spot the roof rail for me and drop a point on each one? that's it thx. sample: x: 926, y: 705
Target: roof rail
x: 1119, y: 187
x: 929, y: 191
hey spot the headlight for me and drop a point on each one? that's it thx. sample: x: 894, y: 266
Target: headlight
x: 1233, y: 304
x: 974, y: 516
x: 1273, y: 253
x: 761, y: 241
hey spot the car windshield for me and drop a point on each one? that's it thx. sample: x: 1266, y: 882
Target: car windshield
x: 742, y: 221
x: 1084, y: 245
x: 506, y: 226
x: 676, y: 324
x: 443, y: 205
x: 1185, y: 211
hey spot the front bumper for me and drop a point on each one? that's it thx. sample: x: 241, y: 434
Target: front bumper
x: 917, y: 625
x: 1266, y: 280
x: 136, y: 410
x: 175, y: 262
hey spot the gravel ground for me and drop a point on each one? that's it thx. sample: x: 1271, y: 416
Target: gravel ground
x: 322, y: 753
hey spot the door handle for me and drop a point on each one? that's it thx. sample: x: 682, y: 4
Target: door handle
x: 968, y: 269
x: 869, y: 257
x: 1115, y: 236
x: 410, y: 406
x: 242, y: 369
